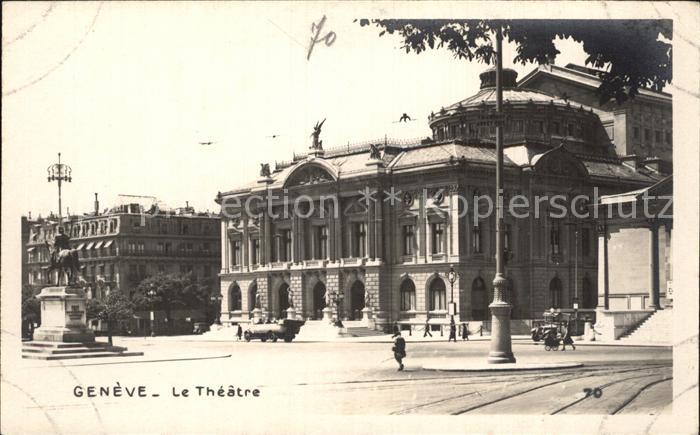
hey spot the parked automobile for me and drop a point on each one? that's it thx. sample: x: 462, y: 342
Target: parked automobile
x: 201, y: 327
x: 285, y: 329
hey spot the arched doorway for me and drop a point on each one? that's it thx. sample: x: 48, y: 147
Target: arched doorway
x: 357, y: 300
x: 437, y: 294
x: 319, y: 293
x: 283, y: 298
x: 252, y: 295
x: 408, y: 295
x: 555, y: 292
x: 234, y: 298
x: 589, y: 296
x: 480, y: 300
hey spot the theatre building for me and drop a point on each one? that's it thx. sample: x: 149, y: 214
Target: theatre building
x: 379, y: 225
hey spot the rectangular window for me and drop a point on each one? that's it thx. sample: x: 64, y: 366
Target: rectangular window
x: 168, y: 247
x: 668, y: 138
x: 287, y: 245
x: 438, y: 238
x: 518, y: 126
x: 570, y: 129
x: 161, y: 247
x: 255, y: 251
x: 585, y: 242
x: 636, y: 132
x: 476, y: 239
x: 236, y: 252
x: 657, y: 136
x: 647, y: 135
x: 539, y: 127
x: 556, y: 127
x: 555, y: 247
x: 321, y: 242
x: 360, y: 236
x: 408, y: 239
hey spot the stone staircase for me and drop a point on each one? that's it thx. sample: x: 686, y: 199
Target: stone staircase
x: 47, y: 350
x: 656, y: 329
x: 357, y: 328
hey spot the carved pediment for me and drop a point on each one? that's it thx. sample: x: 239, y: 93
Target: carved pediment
x: 308, y: 176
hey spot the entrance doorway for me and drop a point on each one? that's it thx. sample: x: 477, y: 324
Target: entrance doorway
x: 283, y: 298
x: 319, y: 300
x: 357, y: 300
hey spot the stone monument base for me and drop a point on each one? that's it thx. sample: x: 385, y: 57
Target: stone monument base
x: 63, y: 316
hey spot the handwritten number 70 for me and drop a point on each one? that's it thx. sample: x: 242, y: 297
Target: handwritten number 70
x: 316, y: 37
x: 595, y: 392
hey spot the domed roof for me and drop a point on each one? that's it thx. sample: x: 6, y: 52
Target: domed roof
x: 511, y: 93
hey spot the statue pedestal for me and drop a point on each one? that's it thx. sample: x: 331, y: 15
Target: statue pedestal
x: 328, y: 314
x: 291, y: 313
x: 367, y: 317
x: 257, y: 315
x: 63, y: 317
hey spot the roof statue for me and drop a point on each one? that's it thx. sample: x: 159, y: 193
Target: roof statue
x: 317, y: 144
x: 265, y: 169
x: 374, y: 152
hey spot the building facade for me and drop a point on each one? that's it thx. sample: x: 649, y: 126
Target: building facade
x: 121, y: 246
x: 379, y: 225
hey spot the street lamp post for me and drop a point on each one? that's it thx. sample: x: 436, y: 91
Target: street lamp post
x: 501, y: 346
x: 151, y: 294
x: 217, y: 300
x: 451, y: 278
x: 59, y: 172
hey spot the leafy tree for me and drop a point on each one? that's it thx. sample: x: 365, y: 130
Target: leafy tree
x: 31, y: 309
x: 170, y: 292
x: 115, y: 308
x: 630, y: 53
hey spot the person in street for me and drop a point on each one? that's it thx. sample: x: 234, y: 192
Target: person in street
x: 567, y: 338
x: 399, y: 349
x: 396, y: 329
x: 427, y: 329
x: 453, y: 331
x: 465, y: 331
x: 239, y: 332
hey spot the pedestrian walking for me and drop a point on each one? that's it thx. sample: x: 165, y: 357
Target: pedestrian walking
x: 453, y: 332
x: 465, y: 331
x: 399, y: 349
x: 396, y: 329
x: 427, y: 329
x: 239, y: 332
x: 567, y: 338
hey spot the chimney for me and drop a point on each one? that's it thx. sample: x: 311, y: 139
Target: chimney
x: 30, y: 215
x: 97, y: 205
x: 187, y: 204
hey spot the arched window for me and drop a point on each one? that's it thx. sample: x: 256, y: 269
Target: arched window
x: 589, y: 295
x: 480, y: 300
x: 555, y: 292
x: 408, y: 295
x: 234, y: 298
x: 252, y: 295
x: 438, y: 295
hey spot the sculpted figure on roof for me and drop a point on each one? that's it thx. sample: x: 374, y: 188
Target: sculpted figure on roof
x: 317, y: 144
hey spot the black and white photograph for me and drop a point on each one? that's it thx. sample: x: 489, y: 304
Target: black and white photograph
x: 339, y: 217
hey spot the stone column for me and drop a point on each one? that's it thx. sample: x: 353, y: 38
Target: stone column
x: 454, y: 222
x: 378, y: 224
x: 266, y: 241
x: 653, y: 264
x: 422, y: 227
x: 244, y: 245
x: 224, y: 247
x: 369, y: 236
x: 602, y: 267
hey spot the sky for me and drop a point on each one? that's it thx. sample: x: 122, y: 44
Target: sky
x: 126, y: 91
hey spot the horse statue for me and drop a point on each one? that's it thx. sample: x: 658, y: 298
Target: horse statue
x: 66, y: 262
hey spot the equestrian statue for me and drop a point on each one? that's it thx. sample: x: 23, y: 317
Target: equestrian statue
x: 63, y: 259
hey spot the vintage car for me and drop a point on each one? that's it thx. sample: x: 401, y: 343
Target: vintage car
x: 285, y: 329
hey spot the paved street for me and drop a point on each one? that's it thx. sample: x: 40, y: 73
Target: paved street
x: 341, y: 378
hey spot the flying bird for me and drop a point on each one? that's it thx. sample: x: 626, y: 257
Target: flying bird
x: 274, y: 136
x: 206, y: 143
x: 404, y: 118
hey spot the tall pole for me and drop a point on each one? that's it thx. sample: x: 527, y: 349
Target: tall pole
x: 59, y: 172
x: 501, y: 347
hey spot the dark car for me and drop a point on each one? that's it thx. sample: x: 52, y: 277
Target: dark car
x: 286, y: 329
